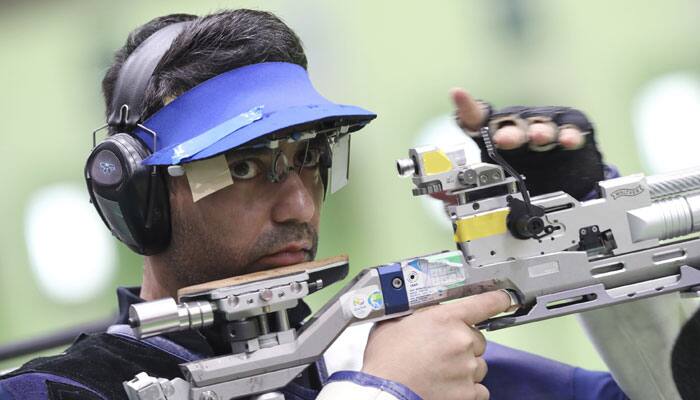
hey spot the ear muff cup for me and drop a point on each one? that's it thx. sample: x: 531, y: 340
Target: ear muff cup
x: 132, y: 201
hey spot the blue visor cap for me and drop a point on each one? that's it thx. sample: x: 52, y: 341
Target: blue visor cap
x: 239, y: 106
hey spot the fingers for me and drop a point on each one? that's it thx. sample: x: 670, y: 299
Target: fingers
x: 480, y: 392
x: 541, y: 134
x: 509, y: 137
x: 481, y: 369
x: 538, y: 135
x: 470, y: 114
x: 480, y: 307
x: 479, y: 344
x: 571, y: 137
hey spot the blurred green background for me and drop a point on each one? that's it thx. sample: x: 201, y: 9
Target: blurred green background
x: 397, y: 58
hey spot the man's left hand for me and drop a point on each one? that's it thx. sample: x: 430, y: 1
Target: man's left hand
x: 554, y: 147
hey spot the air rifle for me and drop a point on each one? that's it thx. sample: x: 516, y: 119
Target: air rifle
x: 553, y: 254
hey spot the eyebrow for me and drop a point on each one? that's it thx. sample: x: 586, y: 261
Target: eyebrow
x: 252, y: 151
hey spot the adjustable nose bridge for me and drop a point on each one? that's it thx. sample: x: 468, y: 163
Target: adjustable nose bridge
x: 280, y: 167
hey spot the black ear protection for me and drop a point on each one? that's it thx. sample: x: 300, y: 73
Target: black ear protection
x: 132, y: 198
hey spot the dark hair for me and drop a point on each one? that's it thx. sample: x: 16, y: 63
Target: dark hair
x: 209, y: 45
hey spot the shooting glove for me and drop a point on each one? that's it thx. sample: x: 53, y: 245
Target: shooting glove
x: 550, y: 168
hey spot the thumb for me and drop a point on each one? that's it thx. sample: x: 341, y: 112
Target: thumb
x: 470, y: 114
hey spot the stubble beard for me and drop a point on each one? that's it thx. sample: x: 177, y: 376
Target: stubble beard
x: 198, y: 255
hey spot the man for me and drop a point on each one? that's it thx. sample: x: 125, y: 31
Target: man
x: 235, y: 171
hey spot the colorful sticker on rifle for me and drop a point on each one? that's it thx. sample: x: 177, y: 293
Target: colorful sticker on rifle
x: 376, y: 300
x: 429, y: 279
x: 360, y: 303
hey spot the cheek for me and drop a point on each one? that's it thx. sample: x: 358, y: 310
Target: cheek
x: 215, y: 238
x: 232, y: 218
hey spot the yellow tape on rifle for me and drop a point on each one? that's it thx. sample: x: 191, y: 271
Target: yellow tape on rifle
x: 436, y: 162
x: 481, y: 226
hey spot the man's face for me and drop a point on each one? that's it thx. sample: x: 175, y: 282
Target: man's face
x: 249, y: 226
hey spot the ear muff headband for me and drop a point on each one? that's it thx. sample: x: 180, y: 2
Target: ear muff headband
x: 131, y: 197
x: 136, y: 73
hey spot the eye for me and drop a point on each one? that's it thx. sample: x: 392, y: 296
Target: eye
x: 307, y: 157
x: 245, y: 169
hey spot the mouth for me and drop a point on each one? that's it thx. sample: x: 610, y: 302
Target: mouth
x: 292, y: 253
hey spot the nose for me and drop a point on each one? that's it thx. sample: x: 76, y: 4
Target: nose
x: 295, y: 202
